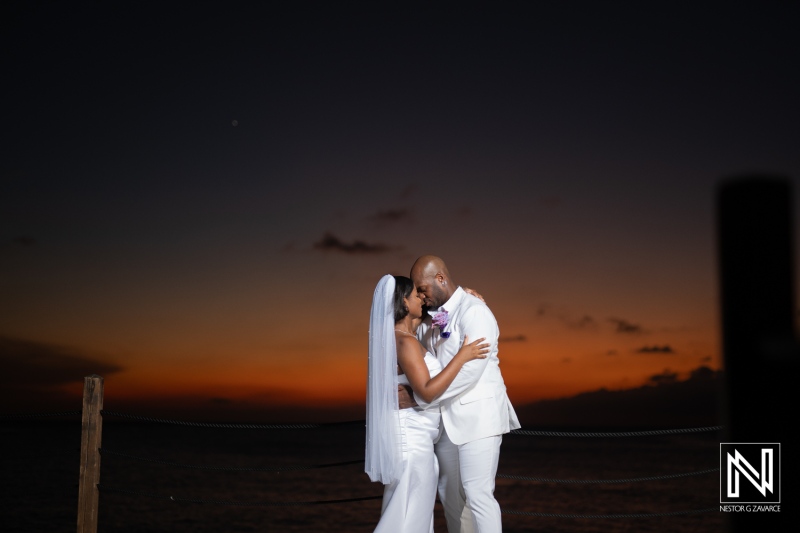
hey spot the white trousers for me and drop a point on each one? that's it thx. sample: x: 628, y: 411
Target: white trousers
x: 466, y: 484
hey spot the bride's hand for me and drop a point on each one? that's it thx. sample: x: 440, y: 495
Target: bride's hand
x: 473, y: 350
x: 474, y: 293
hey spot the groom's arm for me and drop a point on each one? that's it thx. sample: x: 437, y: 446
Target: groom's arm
x: 478, y: 322
x: 405, y: 396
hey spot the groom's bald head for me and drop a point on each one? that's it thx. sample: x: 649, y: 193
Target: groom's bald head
x: 433, y: 281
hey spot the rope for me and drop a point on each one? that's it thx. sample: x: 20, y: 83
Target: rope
x: 226, y: 425
x: 523, y: 432
x: 282, y: 468
x: 616, y: 515
x: 360, y: 422
x: 37, y: 415
x: 104, y: 488
x: 630, y: 480
x: 534, y: 433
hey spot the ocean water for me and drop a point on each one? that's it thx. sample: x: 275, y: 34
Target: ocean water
x: 40, y: 475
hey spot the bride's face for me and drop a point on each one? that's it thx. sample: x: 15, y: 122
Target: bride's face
x: 414, y: 304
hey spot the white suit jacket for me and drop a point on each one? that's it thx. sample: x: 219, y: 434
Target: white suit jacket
x: 475, y: 405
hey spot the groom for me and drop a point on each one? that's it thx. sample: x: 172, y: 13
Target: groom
x: 475, y: 409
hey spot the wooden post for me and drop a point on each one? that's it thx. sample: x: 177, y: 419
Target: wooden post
x: 91, y: 434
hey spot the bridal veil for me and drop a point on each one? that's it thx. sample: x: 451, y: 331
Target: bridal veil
x: 384, y: 458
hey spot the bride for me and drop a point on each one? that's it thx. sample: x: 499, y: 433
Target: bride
x: 399, y: 447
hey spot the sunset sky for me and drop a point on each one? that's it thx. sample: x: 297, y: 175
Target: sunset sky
x: 197, y: 202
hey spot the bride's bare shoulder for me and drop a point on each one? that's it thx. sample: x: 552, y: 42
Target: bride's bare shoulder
x: 407, y: 344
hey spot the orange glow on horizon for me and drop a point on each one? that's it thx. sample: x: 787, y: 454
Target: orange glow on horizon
x: 553, y: 369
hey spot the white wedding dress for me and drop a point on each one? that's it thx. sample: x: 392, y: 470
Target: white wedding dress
x: 408, y: 502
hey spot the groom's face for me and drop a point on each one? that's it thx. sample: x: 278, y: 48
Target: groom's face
x: 431, y: 292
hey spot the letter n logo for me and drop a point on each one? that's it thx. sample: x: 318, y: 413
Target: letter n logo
x: 749, y: 472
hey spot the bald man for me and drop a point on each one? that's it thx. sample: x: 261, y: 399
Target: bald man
x: 475, y: 409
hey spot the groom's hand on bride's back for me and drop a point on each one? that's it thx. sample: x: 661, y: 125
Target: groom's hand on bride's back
x: 405, y: 397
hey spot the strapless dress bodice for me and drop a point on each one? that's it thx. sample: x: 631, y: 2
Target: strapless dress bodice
x: 434, y: 367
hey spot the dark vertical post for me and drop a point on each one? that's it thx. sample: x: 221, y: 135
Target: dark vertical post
x: 91, y: 435
x: 757, y: 293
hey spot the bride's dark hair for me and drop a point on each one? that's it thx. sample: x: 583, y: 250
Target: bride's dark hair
x: 402, y: 289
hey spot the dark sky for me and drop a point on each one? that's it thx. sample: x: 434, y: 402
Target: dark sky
x: 219, y: 186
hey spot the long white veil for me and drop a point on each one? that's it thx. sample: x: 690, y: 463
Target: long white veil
x: 384, y: 458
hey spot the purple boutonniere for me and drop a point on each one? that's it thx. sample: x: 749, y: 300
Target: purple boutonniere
x: 439, y: 320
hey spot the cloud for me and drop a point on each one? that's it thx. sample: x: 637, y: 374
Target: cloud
x: 513, y: 338
x: 391, y: 216
x: 625, y: 327
x: 329, y: 242
x: 656, y: 349
x: 47, y: 364
x: 38, y: 374
x: 664, y: 378
x: 704, y: 373
x: 665, y: 401
x: 569, y: 319
x: 584, y: 322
